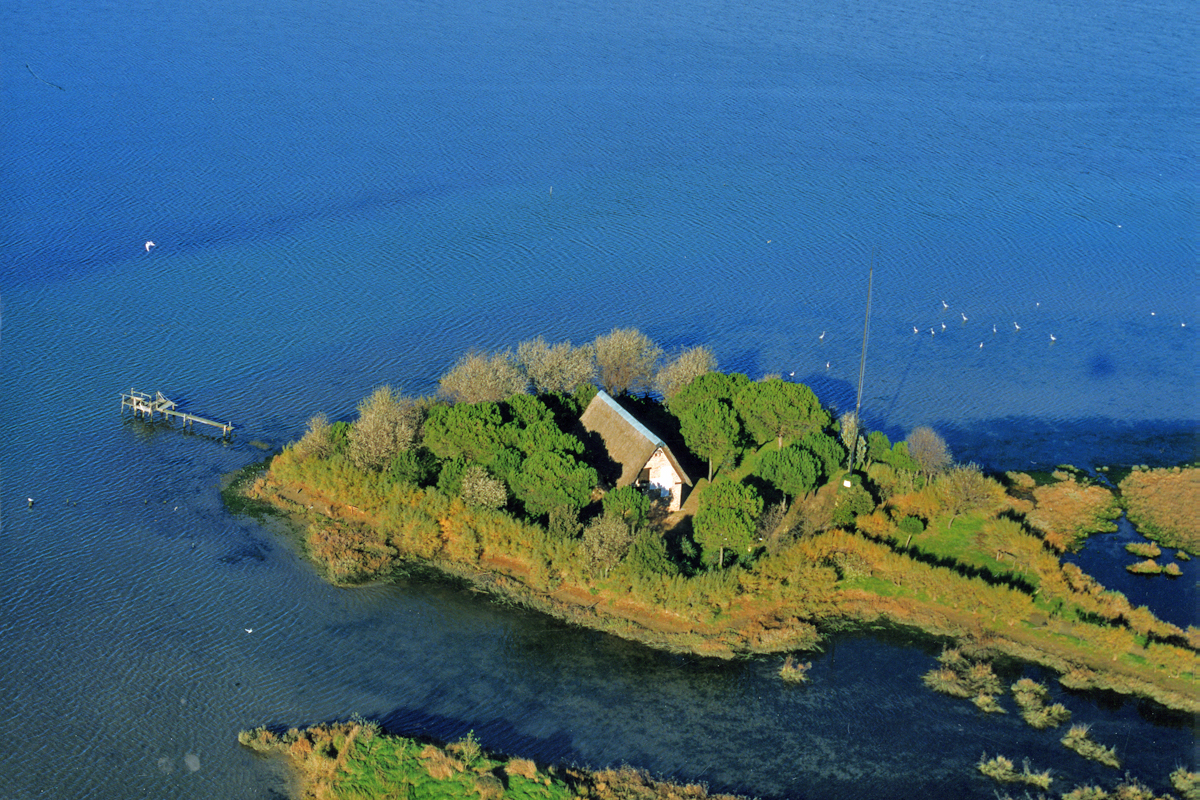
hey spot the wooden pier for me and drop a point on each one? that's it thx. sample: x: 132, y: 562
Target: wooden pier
x: 147, y: 407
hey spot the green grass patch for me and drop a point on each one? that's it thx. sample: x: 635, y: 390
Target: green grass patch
x: 355, y: 760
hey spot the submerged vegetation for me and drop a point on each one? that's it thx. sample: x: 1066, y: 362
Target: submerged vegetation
x: 506, y: 490
x: 1079, y: 739
x: 356, y: 760
x: 1031, y: 698
x: 959, y: 676
x: 1001, y: 769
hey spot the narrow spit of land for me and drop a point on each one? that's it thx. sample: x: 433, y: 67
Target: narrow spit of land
x: 980, y: 578
x: 778, y: 547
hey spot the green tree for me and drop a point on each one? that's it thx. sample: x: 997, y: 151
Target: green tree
x: 387, y: 424
x: 709, y: 386
x: 774, y: 409
x: 625, y: 361
x: 648, y: 555
x: 629, y: 504
x: 561, y: 368
x: 682, y: 370
x: 792, y: 470
x: 711, y: 430
x: 828, y: 451
x: 525, y: 409
x: 850, y: 503
x: 471, y: 430
x: 544, y: 436
x: 478, y: 378
x: 548, y: 479
x: 725, y: 520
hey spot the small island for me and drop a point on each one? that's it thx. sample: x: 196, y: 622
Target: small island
x: 664, y: 501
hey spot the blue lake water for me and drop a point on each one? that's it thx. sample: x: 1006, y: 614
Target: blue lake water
x: 347, y: 196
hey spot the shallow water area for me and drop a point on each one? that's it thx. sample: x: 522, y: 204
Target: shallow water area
x: 345, y: 197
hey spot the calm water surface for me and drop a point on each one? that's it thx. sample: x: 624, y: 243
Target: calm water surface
x: 343, y: 197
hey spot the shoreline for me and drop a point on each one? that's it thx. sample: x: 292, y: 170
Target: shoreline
x: 744, y: 628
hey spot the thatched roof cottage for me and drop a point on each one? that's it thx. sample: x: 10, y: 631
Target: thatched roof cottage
x: 644, y: 459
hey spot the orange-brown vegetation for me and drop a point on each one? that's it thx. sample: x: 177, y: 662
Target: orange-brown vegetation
x: 1162, y: 503
x: 1068, y: 511
x: 354, y: 759
x: 985, y: 579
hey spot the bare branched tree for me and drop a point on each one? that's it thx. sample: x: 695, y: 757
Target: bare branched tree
x: 626, y: 361
x: 317, y: 442
x: 558, y: 368
x: 387, y: 425
x: 606, y: 540
x: 477, y: 378
x: 481, y: 489
x: 682, y: 370
x: 928, y: 450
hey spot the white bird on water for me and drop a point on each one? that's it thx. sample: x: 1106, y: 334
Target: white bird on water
x: 148, y: 246
x: 1015, y: 325
x: 248, y: 630
x: 944, y: 304
x: 822, y: 336
x: 1053, y: 338
x: 915, y: 329
x: 981, y: 345
x: 31, y: 502
x: 964, y: 316
x: 943, y: 326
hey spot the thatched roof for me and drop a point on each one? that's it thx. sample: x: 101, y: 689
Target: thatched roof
x: 628, y: 442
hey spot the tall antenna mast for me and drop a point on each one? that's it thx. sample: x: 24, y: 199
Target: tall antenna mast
x: 862, y: 364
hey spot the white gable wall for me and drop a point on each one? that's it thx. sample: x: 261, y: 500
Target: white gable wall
x: 665, y: 479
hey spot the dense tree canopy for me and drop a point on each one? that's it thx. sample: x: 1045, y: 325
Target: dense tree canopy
x: 471, y: 430
x: 725, y: 521
x: 775, y: 408
x: 830, y: 455
x: 627, y: 503
x: 549, y: 480
x: 711, y: 430
x: 626, y: 361
x: 792, y: 470
x: 709, y: 386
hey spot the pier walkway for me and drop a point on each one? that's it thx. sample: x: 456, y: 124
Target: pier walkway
x: 147, y: 407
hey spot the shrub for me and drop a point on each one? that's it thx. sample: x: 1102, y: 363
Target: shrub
x: 1147, y: 567
x: 1144, y: 549
x: 793, y: 671
x: 910, y: 526
x: 1187, y: 783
